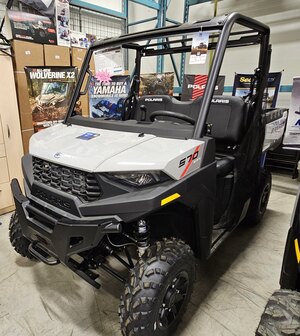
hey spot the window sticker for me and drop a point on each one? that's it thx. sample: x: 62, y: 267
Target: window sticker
x: 88, y: 136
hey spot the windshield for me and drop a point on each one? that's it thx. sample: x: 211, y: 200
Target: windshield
x: 54, y: 88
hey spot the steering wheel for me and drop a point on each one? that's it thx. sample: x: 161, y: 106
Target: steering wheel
x: 176, y: 115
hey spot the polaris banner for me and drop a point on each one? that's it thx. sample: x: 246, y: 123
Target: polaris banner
x: 292, y: 132
x: 50, y: 90
x: 194, y: 85
x: 242, y: 82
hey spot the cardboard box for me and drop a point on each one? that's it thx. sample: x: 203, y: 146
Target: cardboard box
x: 26, y: 135
x: 27, y: 54
x: 78, y: 55
x: 23, y: 100
x: 56, y: 55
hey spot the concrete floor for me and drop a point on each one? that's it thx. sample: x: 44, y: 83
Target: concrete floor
x: 229, y: 296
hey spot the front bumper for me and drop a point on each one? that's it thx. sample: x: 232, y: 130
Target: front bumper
x: 60, y: 236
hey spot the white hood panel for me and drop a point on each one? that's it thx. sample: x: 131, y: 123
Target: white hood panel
x: 60, y: 144
x: 169, y: 155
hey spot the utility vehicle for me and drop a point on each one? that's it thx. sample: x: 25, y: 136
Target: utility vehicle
x: 167, y: 183
x: 282, y: 313
x: 53, y: 94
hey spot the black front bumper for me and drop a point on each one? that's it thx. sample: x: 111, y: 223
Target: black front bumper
x: 60, y: 236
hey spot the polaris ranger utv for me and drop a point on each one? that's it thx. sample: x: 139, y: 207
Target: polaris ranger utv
x: 167, y: 183
x: 282, y: 312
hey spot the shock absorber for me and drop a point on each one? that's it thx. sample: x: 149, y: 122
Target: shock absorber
x: 142, y: 236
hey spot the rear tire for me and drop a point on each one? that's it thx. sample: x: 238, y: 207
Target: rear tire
x: 159, y: 289
x: 281, y: 316
x: 17, y: 240
x: 260, y: 199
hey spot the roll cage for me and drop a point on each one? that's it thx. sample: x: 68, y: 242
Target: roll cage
x: 252, y: 33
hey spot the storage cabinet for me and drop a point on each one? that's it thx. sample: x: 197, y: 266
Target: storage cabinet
x: 11, y: 149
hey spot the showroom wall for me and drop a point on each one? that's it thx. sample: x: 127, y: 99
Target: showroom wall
x: 281, y: 15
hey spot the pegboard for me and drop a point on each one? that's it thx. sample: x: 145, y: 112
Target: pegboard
x: 95, y: 23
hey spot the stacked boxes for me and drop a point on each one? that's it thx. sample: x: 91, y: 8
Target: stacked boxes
x: 25, y: 54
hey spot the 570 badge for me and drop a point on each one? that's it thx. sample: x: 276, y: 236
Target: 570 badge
x: 190, y: 158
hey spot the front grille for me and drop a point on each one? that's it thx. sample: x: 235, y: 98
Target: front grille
x: 72, y: 181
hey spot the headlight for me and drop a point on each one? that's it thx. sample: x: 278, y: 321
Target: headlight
x: 139, y: 179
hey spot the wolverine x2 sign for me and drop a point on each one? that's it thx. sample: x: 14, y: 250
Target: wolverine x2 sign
x: 50, y: 90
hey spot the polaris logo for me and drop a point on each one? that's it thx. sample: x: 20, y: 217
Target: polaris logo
x: 220, y: 101
x: 200, y: 87
x: 153, y: 99
x: 57, y: 155
x: 196, y: 86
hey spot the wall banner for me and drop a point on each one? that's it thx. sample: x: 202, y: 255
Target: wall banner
x: 193, y: 86
x: 292, y: 132
x: 50, y: 90
x: 242, y: 82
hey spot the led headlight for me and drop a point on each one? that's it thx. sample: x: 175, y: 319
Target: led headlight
x: 139, y: 179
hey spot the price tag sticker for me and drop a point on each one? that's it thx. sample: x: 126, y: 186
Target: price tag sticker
x: 199, y: 48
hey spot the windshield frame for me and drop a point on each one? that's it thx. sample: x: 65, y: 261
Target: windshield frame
x: 223, y: 25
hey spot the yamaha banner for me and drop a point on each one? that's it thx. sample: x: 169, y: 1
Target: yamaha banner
x: 242, y: 82
x: 292, y: 133
x: 194, y: 85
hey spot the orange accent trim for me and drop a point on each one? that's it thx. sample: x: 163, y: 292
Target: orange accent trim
x: 189, y: 163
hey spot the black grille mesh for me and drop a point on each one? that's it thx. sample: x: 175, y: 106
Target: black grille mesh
x: 72, y: 181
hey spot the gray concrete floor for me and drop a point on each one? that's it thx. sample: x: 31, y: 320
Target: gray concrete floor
x: 229, y: 296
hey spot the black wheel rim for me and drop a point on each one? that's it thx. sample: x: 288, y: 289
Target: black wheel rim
x: 173, y: 301
x: 264, y: 198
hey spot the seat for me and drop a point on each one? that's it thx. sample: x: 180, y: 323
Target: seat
x: 167, y: 103
x: 228, y: 117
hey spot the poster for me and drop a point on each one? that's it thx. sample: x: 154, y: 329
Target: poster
x: 292, y: 132
x: 78, y: 39
x: 50, y: 90
x: 242, y: 82
x: 157, y: 84
x: 109, y: 60
x: 63, y: 22
x: 193, y: 86
x: 107, y: 96
x: 29, y: 27
x: 199, y: 48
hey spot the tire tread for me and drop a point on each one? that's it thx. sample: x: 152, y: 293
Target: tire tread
x: 281, y: 316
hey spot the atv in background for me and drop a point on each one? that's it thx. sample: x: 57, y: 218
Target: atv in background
x: 53, y: 93
x: 167, y: 183
x: 282, y: 313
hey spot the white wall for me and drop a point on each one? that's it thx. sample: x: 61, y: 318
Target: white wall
x: 110, y: 4
x: 283, y: 17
